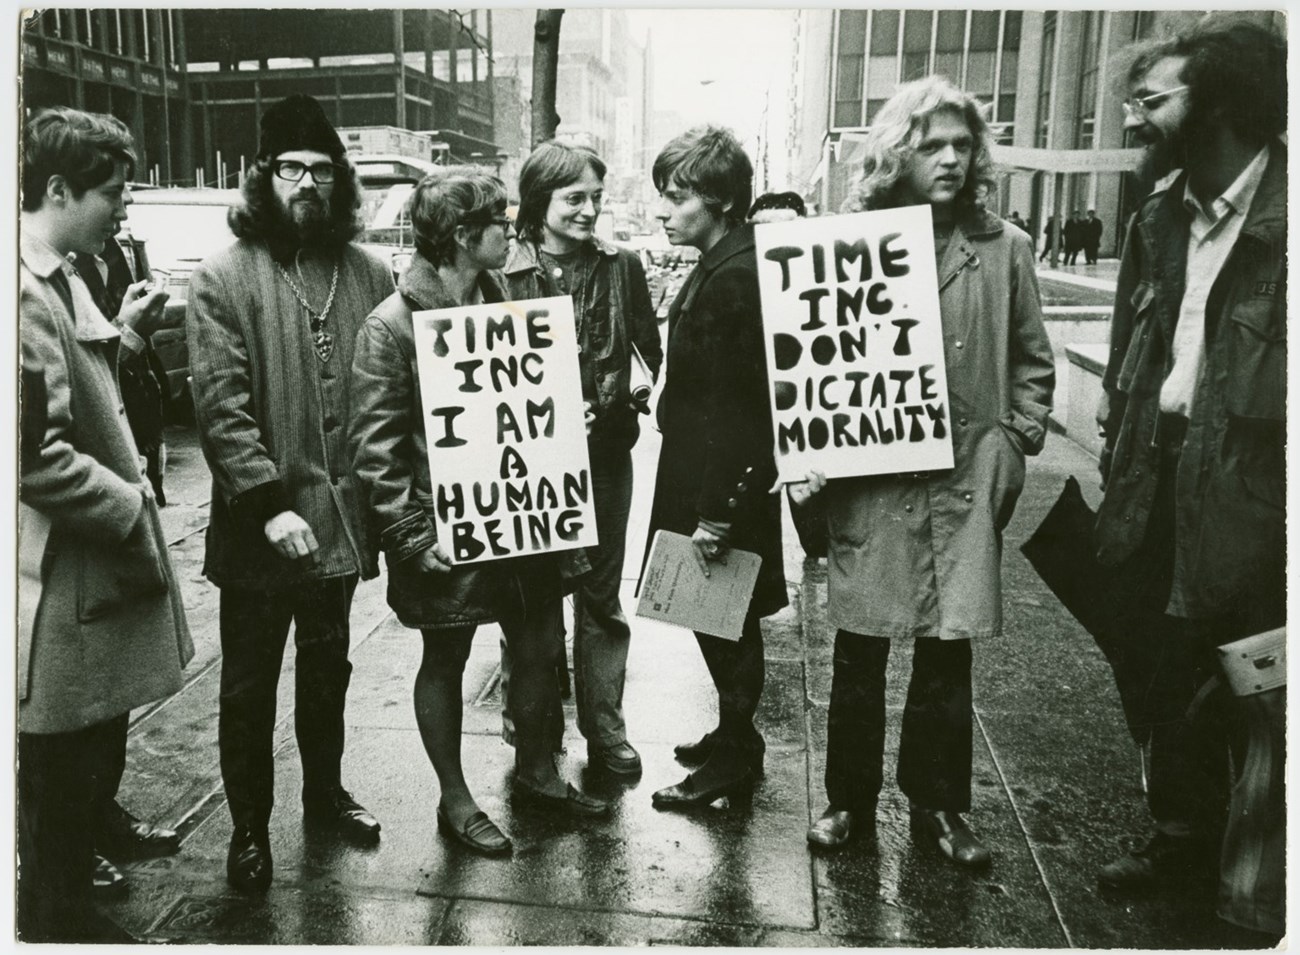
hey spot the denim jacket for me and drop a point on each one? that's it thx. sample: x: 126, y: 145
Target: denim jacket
x: 1230, y: 551
x: 608, y: 346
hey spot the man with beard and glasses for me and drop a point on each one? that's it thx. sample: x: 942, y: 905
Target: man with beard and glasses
x: 1194, y: 413
x: 271, y: 325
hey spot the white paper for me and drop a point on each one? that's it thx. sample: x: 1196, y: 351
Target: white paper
x: 854, y: 344
x: 503, y: 413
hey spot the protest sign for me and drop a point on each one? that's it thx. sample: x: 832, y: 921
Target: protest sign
x: 503, y: 416
x: 854, y: 344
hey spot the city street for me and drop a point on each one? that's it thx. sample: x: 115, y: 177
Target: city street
x: 1057, y: 793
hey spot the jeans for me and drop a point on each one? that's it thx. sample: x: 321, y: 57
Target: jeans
x: 601, y: 634
x: 934, y: 760
x: 600, y: 629
x: 254, y: 630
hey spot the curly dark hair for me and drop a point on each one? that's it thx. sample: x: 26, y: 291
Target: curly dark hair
x: 1235, y: 74
x: 259, y: 217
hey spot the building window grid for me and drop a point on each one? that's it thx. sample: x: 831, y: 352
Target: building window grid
x: 1043, y: 131
x: 1090, y: 63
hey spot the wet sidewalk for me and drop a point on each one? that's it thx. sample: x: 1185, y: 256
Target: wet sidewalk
x: 1056, y: 783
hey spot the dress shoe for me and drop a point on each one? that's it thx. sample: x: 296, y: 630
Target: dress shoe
x: 835, y: 828
x: 107, y: 881
x: 620, y: 759
x: 573, y: 802
x: 248, y: 863
x: 698, y: 753
x: 123, y: 836
x: 950, y: 833
x: 337, y: 808
x: 692, y: 754
x: 1164, y: 859
x: 690, y: 793
x: 479, y: 833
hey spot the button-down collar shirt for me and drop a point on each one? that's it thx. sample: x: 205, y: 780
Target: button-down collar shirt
x: 1214, y: 231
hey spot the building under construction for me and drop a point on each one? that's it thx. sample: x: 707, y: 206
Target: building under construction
x: 191, y: 83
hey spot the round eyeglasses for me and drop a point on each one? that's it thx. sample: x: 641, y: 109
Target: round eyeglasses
x: 1140, y: 107
x: 322, y: 173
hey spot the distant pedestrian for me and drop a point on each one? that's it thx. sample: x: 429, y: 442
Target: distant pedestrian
x: 461, y: 235
x: 1051, y: 236
x: 716, y: 461
x: 1092, y: 232
x: 1072, y: 236
x: 1194, y: 420
x: 101, y: 626
x: 561, y: 194
x: 1019, y: 223
x: 917, y: 557
x: 271, y: 323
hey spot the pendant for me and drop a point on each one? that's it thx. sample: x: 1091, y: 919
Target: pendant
x: 324, y: 343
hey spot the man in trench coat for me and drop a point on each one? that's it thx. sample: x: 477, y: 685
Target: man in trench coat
x: 917, y: 557
x: 101, y: 626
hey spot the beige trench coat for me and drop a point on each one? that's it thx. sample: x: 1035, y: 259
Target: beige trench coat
x: 102, y: 629
x: 920, y: 555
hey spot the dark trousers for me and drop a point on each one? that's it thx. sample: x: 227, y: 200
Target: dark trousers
x: 934, y: 760
x: 1189, y: 779
x: 738, y: 671
x: 254, y: 630
x: 61, y: 778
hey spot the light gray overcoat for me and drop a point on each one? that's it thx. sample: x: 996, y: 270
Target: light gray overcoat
x: 920, y: 555
x: 102, y: 629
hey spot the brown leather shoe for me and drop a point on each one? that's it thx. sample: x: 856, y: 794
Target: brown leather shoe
x: 572, y: 802
x: 834, y: 829
x: 950, y: 833
x: 1164, y: 860
x: 248, y: 861
x: 124, y: 837
x: 620, y: 759
x: 336, y: 808
x: 479, y: 834
x: 107, y: 881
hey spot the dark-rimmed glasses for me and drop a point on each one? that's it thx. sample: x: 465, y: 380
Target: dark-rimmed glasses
x: 322, y: 173
x: 1139, y: 107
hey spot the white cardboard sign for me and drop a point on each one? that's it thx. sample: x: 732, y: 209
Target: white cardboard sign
x: 854, y: 344
x: 504, y: 421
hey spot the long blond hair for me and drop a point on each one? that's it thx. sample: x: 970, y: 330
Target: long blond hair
x: 897, y: 132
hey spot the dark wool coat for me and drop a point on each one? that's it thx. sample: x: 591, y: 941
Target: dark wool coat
x: 716, y: 461
x: 272, y: 417
x: 103, y: 630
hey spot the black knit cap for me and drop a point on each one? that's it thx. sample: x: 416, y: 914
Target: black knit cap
x: 298, y: 122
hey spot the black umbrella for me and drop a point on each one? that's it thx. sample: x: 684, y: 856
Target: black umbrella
x: 1114, y: 604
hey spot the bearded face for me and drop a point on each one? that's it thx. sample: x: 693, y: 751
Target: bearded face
x: 303, y: 207
x: 1160, y: 119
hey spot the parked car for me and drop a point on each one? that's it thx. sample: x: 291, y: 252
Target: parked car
x: 178, y: 228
